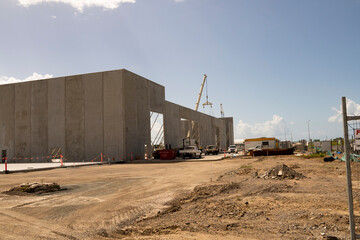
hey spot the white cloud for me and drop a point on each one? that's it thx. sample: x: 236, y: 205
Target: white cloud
x: 34, y: 76
x: 79, y: 4
x: 273, y: 128
x: 352, y: 107
x: 53, y: 16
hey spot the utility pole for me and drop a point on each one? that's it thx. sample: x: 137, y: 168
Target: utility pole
x: 348, y: 166
x: 308, y: 122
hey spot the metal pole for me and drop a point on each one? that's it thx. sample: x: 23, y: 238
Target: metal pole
x: 309, y: 129
x: 348, y: 170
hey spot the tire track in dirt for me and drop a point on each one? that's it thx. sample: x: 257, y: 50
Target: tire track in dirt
x: 40, y: 226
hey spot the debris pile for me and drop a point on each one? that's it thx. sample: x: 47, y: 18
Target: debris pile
x: 35, y: 188
x: 281, y: 172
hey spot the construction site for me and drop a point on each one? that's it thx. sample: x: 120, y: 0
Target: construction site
x: 110, y: 113
x: 180, y: 177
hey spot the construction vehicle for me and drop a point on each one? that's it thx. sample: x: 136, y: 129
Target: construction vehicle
x: 222, y: 110
x: 194, y: 129
x: 200, y: 93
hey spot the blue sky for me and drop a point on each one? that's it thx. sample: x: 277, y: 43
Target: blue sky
x: 273, y: 64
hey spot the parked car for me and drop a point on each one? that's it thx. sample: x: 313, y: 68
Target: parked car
x: 232, y: 149
x: 211, y: 149
x: 191, y: 152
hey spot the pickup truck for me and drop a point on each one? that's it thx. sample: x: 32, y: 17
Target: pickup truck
x: 232, y: 149
x: 211, y: 149
x: 191, y: 152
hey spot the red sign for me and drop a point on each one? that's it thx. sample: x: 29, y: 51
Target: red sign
x: 357, y: 133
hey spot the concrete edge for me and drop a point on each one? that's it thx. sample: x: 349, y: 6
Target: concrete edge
x: 50, y: 168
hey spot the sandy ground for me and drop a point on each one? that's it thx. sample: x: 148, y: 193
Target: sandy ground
x: 185, y: 200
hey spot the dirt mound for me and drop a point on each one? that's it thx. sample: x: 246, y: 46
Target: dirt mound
x: 207, y: 191
x: 282, y: 172
x: 237, y: 172
x: 277, y: 188
x: 34, y: 188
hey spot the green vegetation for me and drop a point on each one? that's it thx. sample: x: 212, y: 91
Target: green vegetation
x: 245, y: 166
x: 315, y: 155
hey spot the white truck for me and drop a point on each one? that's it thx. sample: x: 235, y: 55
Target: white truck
x: 190, y: 152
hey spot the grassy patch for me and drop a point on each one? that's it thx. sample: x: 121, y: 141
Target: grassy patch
x: 315, y: 155
x: 246, y: 166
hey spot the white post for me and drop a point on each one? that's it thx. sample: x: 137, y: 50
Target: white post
x: 348, y: 170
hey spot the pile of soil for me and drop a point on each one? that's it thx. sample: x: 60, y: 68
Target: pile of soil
x: 34, y: 188
x: 237, y: 172
x: 208, y: 208
x: 282, y: 172
x: 207, y: 191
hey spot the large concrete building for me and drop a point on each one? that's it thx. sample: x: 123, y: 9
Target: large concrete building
x: 85, y: 115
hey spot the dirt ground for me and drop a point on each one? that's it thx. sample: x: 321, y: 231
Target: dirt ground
x: 238, y: 198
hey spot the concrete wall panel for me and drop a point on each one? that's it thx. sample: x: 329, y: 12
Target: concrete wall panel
x: 185, y: 113
x: 137, y: 117
x: 23, y: 121
x: 172, y: 125
x: 87, y: 114
x: 207, y: 136
x: 7, y: 120
x: 56, y: 115
x: 130, y: 113
x: 156, y: 97
x: 75, y: 118
x: 114, y: 114
x: 143, y: 115
x: 220, y: 123
x: 94, y: 125
x: 39, y: 119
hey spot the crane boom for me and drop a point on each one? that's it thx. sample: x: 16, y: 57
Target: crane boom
x: 200, y: 93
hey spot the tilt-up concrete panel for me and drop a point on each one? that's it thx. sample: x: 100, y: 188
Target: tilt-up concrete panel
x: 137, y: 118
x: 229, y: 130
x: 94, y: 125
x: 206, y: 131
x: 114, y: 114
x: 156, y: 97
x: 220, y: 123
x: 143, y: 134
x: 185, y: 113
x: 56, y: 115
x: 7, y: 119
x: 23, y: 121
x: 39, y: 119
x: 172, y: 125
x: 74, y: 121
